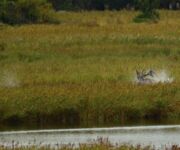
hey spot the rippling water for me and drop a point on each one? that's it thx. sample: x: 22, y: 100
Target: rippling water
x: 157, y: 136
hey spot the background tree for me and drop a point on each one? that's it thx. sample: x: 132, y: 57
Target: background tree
x: 26, y: 11
x: 148, y: 10
x: 145, y: 5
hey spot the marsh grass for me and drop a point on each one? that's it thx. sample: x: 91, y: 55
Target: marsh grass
x: 82, y: 70
x: 98, y: 144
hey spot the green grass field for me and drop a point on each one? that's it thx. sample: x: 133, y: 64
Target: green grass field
x: 82, y: 70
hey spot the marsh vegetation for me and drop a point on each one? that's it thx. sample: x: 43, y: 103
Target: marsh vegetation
x: 99, y: 144
x: 81, y: 70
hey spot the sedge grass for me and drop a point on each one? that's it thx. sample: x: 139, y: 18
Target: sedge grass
x: 82, y: 70
x: 99, y: 144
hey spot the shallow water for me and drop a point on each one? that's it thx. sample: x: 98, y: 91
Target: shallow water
x: 157, y: 136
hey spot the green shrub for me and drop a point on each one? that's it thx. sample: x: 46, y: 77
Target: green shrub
x: 27, y: 11
x: 148, y: 10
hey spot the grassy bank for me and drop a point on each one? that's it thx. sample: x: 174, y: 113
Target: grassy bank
x: 82, y: 70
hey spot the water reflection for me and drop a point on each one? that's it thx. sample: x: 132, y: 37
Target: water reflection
x: 56, y: 125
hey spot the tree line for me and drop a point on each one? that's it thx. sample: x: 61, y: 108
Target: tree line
x: 108, y: 4
x: 26, y: 12
x: 43, y: 11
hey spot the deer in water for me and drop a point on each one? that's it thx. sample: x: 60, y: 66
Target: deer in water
x: 145, y: 77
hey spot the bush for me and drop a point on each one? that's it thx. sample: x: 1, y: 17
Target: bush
x: 154, y: 17
x: 27, y: 11
x: 148, y: 10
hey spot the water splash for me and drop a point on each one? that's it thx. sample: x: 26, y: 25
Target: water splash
x: 161, y: 76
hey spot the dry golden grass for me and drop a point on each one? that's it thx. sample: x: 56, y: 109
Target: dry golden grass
x: 85, y: 66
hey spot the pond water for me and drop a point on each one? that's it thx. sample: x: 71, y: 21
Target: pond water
x: 156, y: 136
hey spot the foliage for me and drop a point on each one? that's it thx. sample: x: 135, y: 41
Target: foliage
x: 103, y: 4
x: 91, y: 4
x: 148, y: 10
x: 97, y: 144
x: 82, y: 71
x: 26, y: 11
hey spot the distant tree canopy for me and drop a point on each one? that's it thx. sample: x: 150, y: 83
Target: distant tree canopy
x: 41, y: 11
x: 26, y: 11
x: 90, y: 4
x: 106, y: 4
x: 147, y: 6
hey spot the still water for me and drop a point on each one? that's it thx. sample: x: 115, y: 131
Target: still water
x: 157, y: 136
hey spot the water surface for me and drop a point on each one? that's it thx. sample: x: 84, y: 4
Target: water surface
x: 157, y: 136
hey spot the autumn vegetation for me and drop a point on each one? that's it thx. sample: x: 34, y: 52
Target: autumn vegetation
x: 82, y: 71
